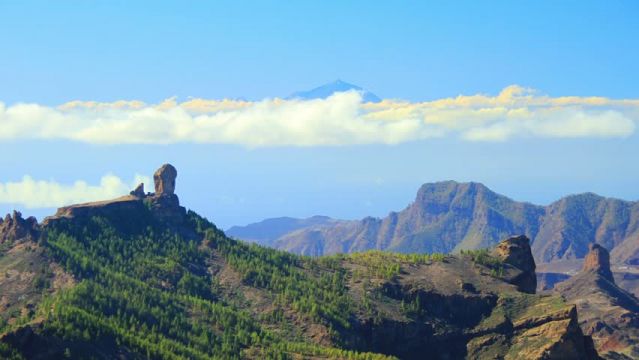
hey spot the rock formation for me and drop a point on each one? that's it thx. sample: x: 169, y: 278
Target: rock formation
x: 14, y: 227
x: 606, y: 312
x: 139, y: 191
x: 598, y: 260
x: 164, y: 179
x: 164, y: 203
x: 516, y: 251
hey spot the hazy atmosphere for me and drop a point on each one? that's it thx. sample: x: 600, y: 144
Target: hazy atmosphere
x: 284, y: 180
x: 535, y: 115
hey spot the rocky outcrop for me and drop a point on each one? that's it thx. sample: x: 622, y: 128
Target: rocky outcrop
x: 138, y: 191
x: 164, y: 179
x: 516, y: 251
x: 14, y: 227
x: 164, y: 203
x: 125, y: 207
x: 457, y: 311
x: 598, y: 260
x: 606, y: 312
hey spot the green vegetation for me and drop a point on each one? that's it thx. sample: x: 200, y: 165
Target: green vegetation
x: 386, y: 265
x: 483, y: 257
x: 147, y: 289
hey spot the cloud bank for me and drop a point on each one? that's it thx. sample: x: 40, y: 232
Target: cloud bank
x: 342, y: 119
x: 34, y: 194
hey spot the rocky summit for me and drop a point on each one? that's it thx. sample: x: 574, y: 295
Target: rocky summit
x: 607, y: 313
x: 164, y: 179
x: 598, y: 261
x: 139, y: 277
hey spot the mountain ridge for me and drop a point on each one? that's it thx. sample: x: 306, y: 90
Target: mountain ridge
x: 141, y: 277
x: 450, y: 216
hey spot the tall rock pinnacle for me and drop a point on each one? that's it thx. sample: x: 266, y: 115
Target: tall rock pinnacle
x: 598, y: 260
x: 164, y: 179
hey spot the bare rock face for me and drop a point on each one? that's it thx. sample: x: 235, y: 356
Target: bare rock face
x: 138, y: 191
x: 164, y: 179
x: 598, y: 260
x: 516, y: 252
x: 14, y: 227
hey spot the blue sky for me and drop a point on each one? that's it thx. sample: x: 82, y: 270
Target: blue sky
x: 54, y: 52
x: 57, y: 52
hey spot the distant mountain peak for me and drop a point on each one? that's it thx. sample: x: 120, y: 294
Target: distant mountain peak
x: 326, y: 90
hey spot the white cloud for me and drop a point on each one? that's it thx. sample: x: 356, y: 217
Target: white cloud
x: 341, y: 119
x: 33, y: 194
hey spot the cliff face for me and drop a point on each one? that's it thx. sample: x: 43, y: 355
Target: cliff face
x: 608, y: 313
x: 450, y: 216
x: 158, y: 283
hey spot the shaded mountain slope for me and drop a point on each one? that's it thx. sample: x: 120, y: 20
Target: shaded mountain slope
x: 148, y: 279
x: 450, y: 216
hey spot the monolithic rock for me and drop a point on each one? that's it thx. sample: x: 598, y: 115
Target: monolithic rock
x: 164, y: 179
x: 598, y: 260
x: 516, y: 252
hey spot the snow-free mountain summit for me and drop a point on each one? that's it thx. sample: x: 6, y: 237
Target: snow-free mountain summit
x: 326, y: 90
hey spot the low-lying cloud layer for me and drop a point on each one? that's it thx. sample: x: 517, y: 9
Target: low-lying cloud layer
x: 34, y: 194
x: 341, y: 119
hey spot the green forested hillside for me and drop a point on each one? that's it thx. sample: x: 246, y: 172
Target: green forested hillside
x: 146, y: 291
x: 139, y: 277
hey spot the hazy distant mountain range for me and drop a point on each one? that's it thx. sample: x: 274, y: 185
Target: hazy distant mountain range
x: 450, y: 216
x: 329, y: 89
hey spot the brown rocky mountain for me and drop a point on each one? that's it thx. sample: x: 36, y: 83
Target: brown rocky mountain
x: 450, y: 216
x: 606, y: 312
x: 140, y: 277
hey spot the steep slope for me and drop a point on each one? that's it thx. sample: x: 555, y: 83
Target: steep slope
x: 444, y: 217
x: 450, y: 216
x: 148, y: 279
x: 607, y: 312
x: 576, y: 221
